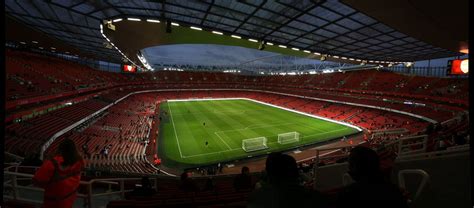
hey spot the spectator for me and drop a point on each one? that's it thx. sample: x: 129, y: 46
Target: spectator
x: 188, y: 184
x: 441, y: 145
x: 283, y: 189
x: 220, y: 167
x: 60, y: 176
x: 85, y: 149
x: 262, y: 181
x: 370, y: 189
x: 145, y: 190
x: 243, y: 181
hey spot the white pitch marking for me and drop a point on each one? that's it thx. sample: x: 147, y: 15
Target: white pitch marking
x: 222, y: 140
x: 210, y: 153
x: 175, y: 133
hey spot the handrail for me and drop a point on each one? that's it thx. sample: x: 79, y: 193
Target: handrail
x: 389, y: 131
x: 425, y: 178
x: 14, y: 156
x: 87, y: 197
x: 442, y: 153
x: 346, y: 179
x: 317, y: 158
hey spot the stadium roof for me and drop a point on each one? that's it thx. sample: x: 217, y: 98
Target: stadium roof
x: 327, y: 27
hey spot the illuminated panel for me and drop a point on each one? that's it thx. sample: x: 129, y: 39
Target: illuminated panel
x: 129, y: 68
x: 458, y: 67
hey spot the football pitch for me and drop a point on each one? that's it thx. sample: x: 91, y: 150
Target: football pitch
x: 186, y: 126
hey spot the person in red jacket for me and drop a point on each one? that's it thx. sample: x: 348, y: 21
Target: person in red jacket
x: 60, y: 176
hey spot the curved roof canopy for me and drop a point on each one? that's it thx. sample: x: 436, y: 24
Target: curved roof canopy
x: 326, y: 27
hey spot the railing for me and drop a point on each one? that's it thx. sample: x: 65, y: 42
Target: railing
x: 16, y: 181
x: 15, y: 157
x: 331, y: 150
x: 425, y: 178
x: 389, y: 131
x: 460, y: 150
x: 410, y: 145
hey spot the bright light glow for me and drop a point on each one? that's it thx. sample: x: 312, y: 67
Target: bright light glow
x: 291, y: 73
x: 68, y: 103
x: 101, y: 27
x: 35, y: 42
x: 335, y: 56
x: 465, y: 66
x: 371, y: 61
x: 174, y: 24
x: 218, y: 33
x: 466, y: 50
x: 358, y: 60
x: 268, y: 43
x: 281, y: 46
x: 152, y: 20
x: 53, y: 48
x: 66, y: 52
x: 376, y: 61
x: 312, y: 72
x: 231, y: 71
x: 344, y: 58
x: 306, y: 51
x: 22, y: 42
x: 325, y: 71
x: 235, y: 36
x: 196, y: 28
x: 253, y: 40
x: 295, y: 49
x: 351, y: 59
x: 134, y: 19
x: 41, y: 48
x: 117, y: 20
x: 316, y: 53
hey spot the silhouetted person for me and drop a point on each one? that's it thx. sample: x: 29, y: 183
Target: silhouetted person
x: 370, y: 189
x: 60, y: 176
x: 209, y: 186
x: 282, y: 189
x: 243, y: 181
x: 145, y: 190
x: 188, y: 184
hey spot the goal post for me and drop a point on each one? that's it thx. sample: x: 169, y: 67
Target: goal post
x: 289, y: 137
x: 254, y: 144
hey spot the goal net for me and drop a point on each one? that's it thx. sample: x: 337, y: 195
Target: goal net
x: 289, y: 137
x: 254, y: 144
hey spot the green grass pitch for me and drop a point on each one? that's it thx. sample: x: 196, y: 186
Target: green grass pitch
x: 227, y: 122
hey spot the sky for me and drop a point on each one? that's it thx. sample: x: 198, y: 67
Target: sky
x: 209, y: 54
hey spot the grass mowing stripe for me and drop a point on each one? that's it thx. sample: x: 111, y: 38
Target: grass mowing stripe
x: 282, y: 115
x: 260, y: 118
x: 237, y: 120
x: 221, y: 120
x: 245, y: 120
x: 206, y: 134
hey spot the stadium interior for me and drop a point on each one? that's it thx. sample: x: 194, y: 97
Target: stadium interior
x: 203, y: 89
